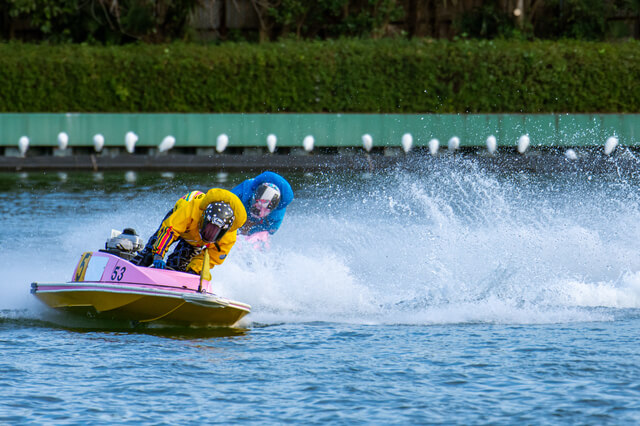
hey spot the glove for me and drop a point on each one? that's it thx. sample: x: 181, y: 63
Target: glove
x: 158, y: 262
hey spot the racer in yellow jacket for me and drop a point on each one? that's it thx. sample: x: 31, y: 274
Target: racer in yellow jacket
x: 197, y: 222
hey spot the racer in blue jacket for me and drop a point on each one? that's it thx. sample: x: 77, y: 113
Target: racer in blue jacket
x: 265, y: 198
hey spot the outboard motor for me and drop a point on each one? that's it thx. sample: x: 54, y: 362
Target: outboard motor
x: 125, y: 244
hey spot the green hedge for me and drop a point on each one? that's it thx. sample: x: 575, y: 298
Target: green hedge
x: 383, y: 76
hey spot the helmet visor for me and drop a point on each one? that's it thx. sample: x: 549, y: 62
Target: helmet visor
x: 210, y: 233
x: 261, y: 208
x: 264, y: 200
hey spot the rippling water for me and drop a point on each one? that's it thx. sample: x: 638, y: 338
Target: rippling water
x: 436, y: 293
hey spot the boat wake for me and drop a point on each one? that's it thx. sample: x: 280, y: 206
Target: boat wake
x: 448, y: 243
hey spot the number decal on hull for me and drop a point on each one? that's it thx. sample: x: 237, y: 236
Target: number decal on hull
x: 118, y: 273
x: 81, y: 269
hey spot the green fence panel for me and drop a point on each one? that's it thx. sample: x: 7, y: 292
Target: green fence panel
x: 328, y: 130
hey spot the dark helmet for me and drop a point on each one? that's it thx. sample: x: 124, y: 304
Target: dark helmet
x: 216, y: 221
x: 264, y: 200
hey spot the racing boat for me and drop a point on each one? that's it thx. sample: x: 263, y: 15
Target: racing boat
x: 107, y: 285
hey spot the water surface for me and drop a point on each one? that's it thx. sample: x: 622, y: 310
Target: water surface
x: 439, y: 292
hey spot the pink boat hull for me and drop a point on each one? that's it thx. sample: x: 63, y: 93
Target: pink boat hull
x: 106, y: 286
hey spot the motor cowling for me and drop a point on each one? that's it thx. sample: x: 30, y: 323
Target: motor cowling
x: 125, y: 244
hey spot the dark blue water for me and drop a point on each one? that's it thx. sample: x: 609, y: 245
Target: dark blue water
x: 439, y: 293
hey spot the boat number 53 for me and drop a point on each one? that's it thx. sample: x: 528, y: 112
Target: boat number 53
x: 118, y: 273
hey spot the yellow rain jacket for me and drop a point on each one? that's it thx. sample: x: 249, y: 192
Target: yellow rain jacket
x: 184, y: 222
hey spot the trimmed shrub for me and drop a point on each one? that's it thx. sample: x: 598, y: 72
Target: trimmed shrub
x: 383, y: 76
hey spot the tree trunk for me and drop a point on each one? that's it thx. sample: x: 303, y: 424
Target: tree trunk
x: 412, y: 18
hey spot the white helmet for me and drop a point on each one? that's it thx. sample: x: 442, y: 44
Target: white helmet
x: 264, y: 200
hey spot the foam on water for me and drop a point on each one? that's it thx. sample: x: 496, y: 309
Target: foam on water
x: 448, y: 243
x: 447, y: 246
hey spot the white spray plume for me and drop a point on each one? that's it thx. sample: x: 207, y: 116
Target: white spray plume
x: 98, y: 142
x: 167, y: 143
x: 23, y: 145
x: 222, y: 142
x: 272, y: 140
x: 454, y: 143
x: 308, y: 143
x: 130, y: 176
x: 434, y: 145
x: 523, y: 144
x: 407, y: 142
x: 130, y: 140
x: 570, y: 154
x: 367, y: 142
x: 63, y: 140
x: 610, y: 145
x: 492, y: 144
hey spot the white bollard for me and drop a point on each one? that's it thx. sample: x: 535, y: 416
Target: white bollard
x: 570, y: 154
x: 23, y: 145
x: 407, y: 142
x: 610, y: 145
x: 454, y: 143
x: 308, y: 143
x: 492, y: 144
x: 222, y: 142
x: 272, y: 140
x: 63, y: 140
x: 130, y: 140
x: 98, y: 142
x: 367, y: 142
x: 523, y: 144
x: 167, y: 143
x: 434, y: 145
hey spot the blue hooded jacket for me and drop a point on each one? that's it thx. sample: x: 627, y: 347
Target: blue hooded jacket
x: 245, y: 191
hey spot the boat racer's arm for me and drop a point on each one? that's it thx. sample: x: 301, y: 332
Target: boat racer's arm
x: 217, y: 253
x: 170, y: 230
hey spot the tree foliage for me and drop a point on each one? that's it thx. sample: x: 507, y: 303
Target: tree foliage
x: 116, y: 22
x: 97, y: 21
